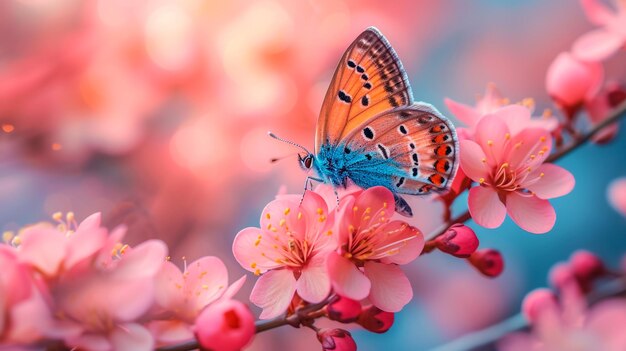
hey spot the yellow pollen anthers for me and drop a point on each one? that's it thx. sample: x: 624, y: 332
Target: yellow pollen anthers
x: 202, y: 274
x: 274, y: 229
x: 57, y: 216
x: 299, y: 215
x: 257, y: 272
x: 319, y: 211
x: 347, y: 255
x: 481, y: 180
x: 269, y: 226
x: 330, y: 232
x: 528, y: 102
x: 529, y: 169
x: 282, y: 222
x: 355, y: 208
x: 507, y: 136
x: 542, y: 174
x: 253, y: 265
x: 257, y: 242
x: 267, y: 215
x: 69, y: 216
x: 322, y: 218
x: 205, y: 287
x: 490, y: 142
x: 16, y: 241
x: 384, y: 204
x: 286, y: 211
x: 123, y: 249
x: 351, y: 229
x: 368, y: 210
x: 484, y: 160
x: 518, y: 145
x: 8, y: 236
x: 533, y: 156
x: 505, y: 165
x: 543, y: 139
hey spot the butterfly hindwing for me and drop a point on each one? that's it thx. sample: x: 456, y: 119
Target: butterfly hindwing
x: 369, y: 80
x: 416, y: 146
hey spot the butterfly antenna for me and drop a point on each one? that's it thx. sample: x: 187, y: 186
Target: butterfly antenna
x: 276, y: 159
x: 288, y: 142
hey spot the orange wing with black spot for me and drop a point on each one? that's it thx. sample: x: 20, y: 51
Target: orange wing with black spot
x: 417, y: 140
x: 369, y: 80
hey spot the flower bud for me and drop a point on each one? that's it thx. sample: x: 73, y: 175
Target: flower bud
x: 538, y: 302
x: 587, y: 266
x: 344, y: 310
x: 570, y: 81
x: 459, y: 240
x: 560, y: 275
x: 376, y: 320
x: 226, y: 325
x: 488, y: 261
x: 336, y: 340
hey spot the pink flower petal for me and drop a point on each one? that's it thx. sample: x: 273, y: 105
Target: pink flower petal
x: 247, y: 249
x: 205, y: 281
x: 132, y: 336
x: 44, y: 248
x: 143, y: 260
x: 597, y: 12
x: 464, y: 113
x: 491, y: 134
x: 169, y: 286
x: 529, y: 148
x: 273, y: 292
x: 472, y: 156
x: 413, y: 243
x: 378, y: 201
x: 284, y: 213
x: 85, y: 242
x: 89, y: 341
x: 516, y: 117
x: 234, y: 288
x: 391, y: 289
x: 346, y: 278
x: 170, y: 331
x: 91, y: 222
x: 531, y: 213
x: 597, y: 45
x: 314, y: 283
x: 555, y: 182
x: 485, y: 207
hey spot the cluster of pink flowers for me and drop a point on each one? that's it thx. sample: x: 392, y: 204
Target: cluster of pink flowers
x: 504, y: 150
x: 78, y: 285
x: 563, y: 320
x: 307, y: 249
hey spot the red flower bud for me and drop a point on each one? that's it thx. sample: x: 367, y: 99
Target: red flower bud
x: 336, y: 340
x: 459, y: 240
x: 488, y: 261
x: 586, y: 266
x: 344, y: 310
x: 537, y: 302
x: 376, y: 320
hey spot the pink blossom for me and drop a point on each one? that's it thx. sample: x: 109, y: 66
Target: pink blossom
x: 617, y: 195
x: 603, y: 42
x: 289, y: 252
x: 507, y: 162
x: 370, y: 249
x: 567, y: 323
x: 489, y: 103
x: 570, y: 81
x: 181, y: 296
x: 336, y: 340
x: 600, y: 107
x: 227, y: 325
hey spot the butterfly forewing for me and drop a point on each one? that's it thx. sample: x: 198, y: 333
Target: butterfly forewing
x: 369, y: 80
x: 416, y: 140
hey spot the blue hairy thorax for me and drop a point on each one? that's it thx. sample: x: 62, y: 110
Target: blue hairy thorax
x: 335, y: 164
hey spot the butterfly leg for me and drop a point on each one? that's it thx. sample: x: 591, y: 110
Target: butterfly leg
x: 307, y: 182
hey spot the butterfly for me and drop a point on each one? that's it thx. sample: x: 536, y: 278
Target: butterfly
x: 370, y: 131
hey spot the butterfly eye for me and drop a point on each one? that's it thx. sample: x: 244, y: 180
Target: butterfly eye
x: 308, y: 161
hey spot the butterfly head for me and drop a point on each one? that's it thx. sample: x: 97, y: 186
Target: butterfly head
x: 306, y: 161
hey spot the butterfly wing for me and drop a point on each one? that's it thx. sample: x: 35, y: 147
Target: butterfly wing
x: 410, y: 150
x: 368, y: 81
